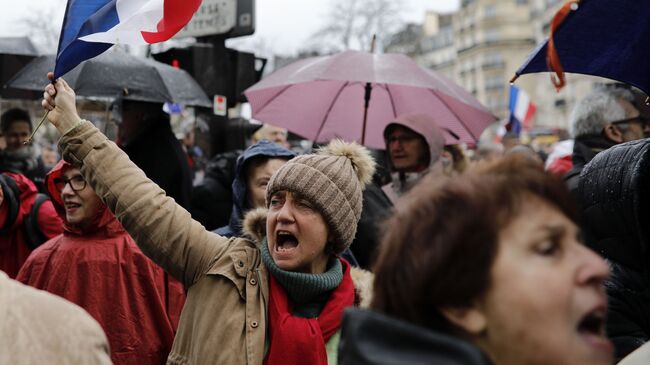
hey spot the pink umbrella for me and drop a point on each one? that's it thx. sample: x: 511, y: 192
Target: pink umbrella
x: 322, y: 98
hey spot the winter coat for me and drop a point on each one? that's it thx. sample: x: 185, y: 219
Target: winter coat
x: 371, y: 338
x: 427, y: 128
x: 25, y: 161
x: 263, y: 148
x: 615, y: 198
x: 40, y: 328
x: 102, y: 270
x: 160, y: 155
x: 376, y: 208
x: 585, y: 149
x: 224, y: 320
x: 19, y: 197
x: 212, y: 200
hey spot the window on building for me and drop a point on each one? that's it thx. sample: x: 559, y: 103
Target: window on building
x: 490, y: 10
x: 521, y: 2
x: 491, y: 35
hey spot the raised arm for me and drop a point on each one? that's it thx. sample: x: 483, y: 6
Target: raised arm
x: 163, y: 229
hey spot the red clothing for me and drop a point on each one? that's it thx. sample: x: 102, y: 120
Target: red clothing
x: 102, y: 270
x: 13, y: 248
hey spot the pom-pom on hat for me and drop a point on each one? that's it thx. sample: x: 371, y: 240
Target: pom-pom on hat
x: 333, y: 180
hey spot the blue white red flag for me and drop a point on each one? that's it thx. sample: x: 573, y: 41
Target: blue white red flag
x: 522, y: 110
x: 90, y: 27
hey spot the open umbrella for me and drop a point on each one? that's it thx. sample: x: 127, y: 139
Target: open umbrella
x: 322, y: 98
x: 116, y: 73
x: 599, y: 38
x: 15, y: 53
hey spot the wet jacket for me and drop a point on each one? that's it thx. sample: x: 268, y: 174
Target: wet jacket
x: 40, y: 328
x: 371, y: 338
x: 615, y: 194
x: 263, y: 148
x: 212, y: 200
x: 160, y: 155
x: 425, y: 126
x: 102, y: 270
x: 224, y: 320
x: 19, y: 196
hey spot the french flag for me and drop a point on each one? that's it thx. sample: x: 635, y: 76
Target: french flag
x: 90, y: 27
x: 522, y: 110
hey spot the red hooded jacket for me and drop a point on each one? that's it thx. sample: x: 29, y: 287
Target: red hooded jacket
x: 102, y: 270
x: 13, y: 246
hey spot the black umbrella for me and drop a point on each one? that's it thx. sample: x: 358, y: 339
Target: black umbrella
x: 15, y: 53
x: 116, y: 73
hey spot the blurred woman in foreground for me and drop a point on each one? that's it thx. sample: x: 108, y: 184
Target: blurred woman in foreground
x: 484, y: 268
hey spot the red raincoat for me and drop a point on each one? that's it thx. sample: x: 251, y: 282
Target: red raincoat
x: 102, y: 270
x: 13, y: 249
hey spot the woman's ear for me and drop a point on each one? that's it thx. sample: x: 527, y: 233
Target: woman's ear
x: 471, y: 319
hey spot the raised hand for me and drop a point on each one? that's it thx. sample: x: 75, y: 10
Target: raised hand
x: 59, y: 100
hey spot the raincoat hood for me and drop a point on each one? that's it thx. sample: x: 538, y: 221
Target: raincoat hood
x: 104, y: 220
x: 21, y: 192
x: 614, y: 189
x: 425, y: 126
x: 264, y: 148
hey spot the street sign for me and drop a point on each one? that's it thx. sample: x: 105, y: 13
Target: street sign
x: 220, y: 105
x: 213, y: 17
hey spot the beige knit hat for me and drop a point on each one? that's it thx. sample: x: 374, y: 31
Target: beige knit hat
x: 333, y: 180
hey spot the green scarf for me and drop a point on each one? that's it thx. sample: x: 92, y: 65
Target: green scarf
x: 308, y: 292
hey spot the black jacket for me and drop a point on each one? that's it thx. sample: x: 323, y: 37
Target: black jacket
x: 615, y: 193
x: 160, y: 155
x: 376, y: 208
x: 370, y: 338
x: 585, y: 149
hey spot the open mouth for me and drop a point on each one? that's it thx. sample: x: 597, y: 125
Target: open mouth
x: 593, y: 323
x: 70, y: 205
x: 285, y: 241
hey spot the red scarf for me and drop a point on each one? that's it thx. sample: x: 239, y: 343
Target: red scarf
x: 296, y: 340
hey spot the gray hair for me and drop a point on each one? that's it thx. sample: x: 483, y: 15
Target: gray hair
x: 597, y: 109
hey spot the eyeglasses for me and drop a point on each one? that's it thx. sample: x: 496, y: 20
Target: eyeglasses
x: 77, y: 183
x: 637, y: 119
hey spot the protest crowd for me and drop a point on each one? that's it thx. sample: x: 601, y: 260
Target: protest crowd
x: 419, y: 244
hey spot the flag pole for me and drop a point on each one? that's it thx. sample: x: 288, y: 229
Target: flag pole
x: 31, y: 138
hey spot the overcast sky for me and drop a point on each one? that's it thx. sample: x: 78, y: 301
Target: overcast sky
x: 284, y: 25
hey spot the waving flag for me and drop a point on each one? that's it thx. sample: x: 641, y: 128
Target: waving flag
x: 90, y: 27
x: 522, y: 110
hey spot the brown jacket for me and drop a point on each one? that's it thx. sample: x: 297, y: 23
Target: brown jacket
x: 40, y: 328
x: 224, y: 318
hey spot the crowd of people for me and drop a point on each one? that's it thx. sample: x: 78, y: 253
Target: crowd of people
x: 335, y: 256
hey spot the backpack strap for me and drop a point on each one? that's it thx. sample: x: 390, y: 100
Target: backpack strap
x: 11, y: 197
x: 34, y: 237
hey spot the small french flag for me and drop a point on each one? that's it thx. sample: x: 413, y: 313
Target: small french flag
x: 522, y: 110
x: 90, y: 27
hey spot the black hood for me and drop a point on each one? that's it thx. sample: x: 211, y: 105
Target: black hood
x: 614, y: 189
x: 371, y: 338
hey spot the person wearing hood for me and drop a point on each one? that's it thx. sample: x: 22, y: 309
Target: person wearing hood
x: 37, y: 327
x: 615, y: 195
x: 18, y: 158
x: 274, y: 297
x: 18, y: 209
x: 97, y: 265
x: 253, y: 171
x: 414, y: 143
x: 483, y: 268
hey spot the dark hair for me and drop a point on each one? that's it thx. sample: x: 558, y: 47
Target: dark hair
x: 442, y: 239
x: 14, y: 115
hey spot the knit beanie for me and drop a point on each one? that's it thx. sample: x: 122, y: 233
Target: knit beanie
x: 333, y: 180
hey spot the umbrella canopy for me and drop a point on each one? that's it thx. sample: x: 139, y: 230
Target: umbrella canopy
x: 115, y: 73
x: 15, y: 53
x: 322, y: 98
x: 601, y: 38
